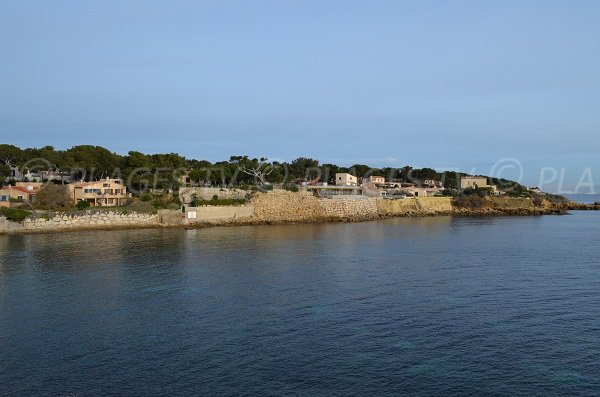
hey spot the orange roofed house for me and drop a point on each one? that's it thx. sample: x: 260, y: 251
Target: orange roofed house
x: 23, y: 192
x: 106, y: 192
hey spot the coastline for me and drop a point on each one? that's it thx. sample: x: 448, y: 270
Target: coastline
x: 290, y: 208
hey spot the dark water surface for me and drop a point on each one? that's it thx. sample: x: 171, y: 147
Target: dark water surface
x: 422, y: 307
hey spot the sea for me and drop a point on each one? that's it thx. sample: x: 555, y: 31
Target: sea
x: 442, y: 306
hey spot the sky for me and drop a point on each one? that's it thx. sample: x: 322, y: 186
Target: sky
x: 511, y: 87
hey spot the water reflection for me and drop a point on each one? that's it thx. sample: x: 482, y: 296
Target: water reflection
x: 428, y: 305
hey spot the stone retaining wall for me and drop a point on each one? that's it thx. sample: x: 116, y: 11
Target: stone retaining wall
x: 279, y: 207
x: 219, y: 214
x: 350, y: 209
x: 91, y: 220
x: 284, y: 206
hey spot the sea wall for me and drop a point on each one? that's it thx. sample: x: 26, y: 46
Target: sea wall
x: 423, y: 206
x: 8, y: 226
x: 218, y: 214
x: 91, y: 220
x: 283, y: 206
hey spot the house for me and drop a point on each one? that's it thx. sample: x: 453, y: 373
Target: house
x: 373, y: 182
x: 336, y: 191
x: 415, y: 191
x: 345, y: 179
x: 15, y: 173
x: 432, y: 183
x: 5, y: 197
x: 473, y: 182
x: 106, y: 192
x: 476, y: 182
x: 23, y: 192
x: 55, y: 176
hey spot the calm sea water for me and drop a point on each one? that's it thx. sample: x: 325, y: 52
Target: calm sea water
x: 421, y: 307
x: 584, y: 198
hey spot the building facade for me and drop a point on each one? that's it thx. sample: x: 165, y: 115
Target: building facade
x: 473, y: 182
x: 345, y: 179
x: 22, y: 193
x: 107, y: 192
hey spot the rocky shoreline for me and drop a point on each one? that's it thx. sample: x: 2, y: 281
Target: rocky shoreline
x: 289, y: 208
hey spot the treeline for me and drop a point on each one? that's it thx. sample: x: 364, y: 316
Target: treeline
x: 88, y: 162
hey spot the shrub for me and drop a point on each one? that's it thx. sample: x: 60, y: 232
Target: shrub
x: 224, y: 202
x: 173, y: 206
x: 142, y: 207
x: 14, y: 215
x: 473, y: 201
x: 146, y: 197
x: 83, y: 204
x: 291, y: 188
x: 53, y: 197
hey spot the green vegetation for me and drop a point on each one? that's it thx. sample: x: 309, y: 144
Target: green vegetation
x: 223, y: 202
x: 14, y: 215
x: 470, y: 202
x: 142, y: 207
x: 83, y: 204
x: 291, y: 187
x: 53, y: 197
x: 163, y: 171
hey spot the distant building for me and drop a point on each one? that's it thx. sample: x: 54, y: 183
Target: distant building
x: 373, y: 182
x: 55, y: 176
x: 473, y: 182
x: 336, y: 191
x: 344, y: 179
x: 477, y: 182
x: 23, y: 192
x: 15, y: 173
x: 106, y: 192
x: 431, y: 183
x: 5, y: 197
x: 416, y: 191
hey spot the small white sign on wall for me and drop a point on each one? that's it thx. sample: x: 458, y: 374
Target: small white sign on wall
x: 191, y: 214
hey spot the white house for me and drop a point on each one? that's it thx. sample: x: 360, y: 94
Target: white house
x: 345, y: 179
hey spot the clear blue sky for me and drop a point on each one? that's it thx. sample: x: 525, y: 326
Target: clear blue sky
x: 458, y: 84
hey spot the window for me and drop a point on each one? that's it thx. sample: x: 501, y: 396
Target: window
x: 3, y: 198
x: 106, y: 185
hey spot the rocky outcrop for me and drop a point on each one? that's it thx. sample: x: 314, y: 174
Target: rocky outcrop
x: 581, y: 207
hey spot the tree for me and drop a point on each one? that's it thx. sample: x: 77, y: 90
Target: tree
x: 10, y: 155
x: 304, y: 167
x: 53, y: 197
x: 258, y: 168
x: 4, y: 173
